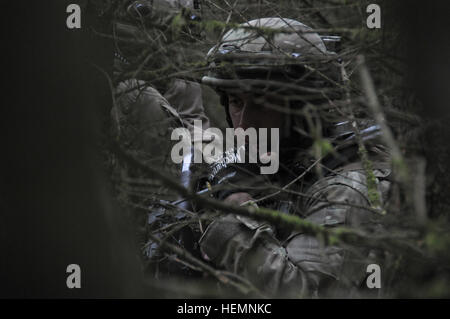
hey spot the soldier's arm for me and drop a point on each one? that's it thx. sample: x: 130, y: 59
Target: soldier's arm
x: 301, y: 266
x: 250, y: 249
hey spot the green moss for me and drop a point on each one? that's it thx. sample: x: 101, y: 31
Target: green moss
x: 288, y: 221
x: 437, y: 242
x: 177, y: 24
x: 374, y: 195
x: 323, y: 146
x: 215, y: 25
x: 400, y: 168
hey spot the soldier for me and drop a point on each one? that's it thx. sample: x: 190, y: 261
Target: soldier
x: 144, y: 115
x: 179, y: 100
x: 278, y: 73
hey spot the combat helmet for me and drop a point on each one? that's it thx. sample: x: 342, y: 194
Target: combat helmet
x: 274, y: 56
x: 278, y: 53
x: 139, y: 21
x: 157, y: 9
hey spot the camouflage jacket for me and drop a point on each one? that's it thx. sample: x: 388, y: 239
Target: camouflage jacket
x: 297, y: 264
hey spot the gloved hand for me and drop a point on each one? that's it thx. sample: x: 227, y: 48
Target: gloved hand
x: 239, y: 198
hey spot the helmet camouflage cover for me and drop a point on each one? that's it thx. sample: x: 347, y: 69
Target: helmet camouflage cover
x: 271, y: 53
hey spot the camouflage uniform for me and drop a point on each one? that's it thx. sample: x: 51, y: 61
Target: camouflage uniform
x: 143, y: 118
x: 297, y: 264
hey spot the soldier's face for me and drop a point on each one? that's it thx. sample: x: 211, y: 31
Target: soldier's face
x: 247, y: 110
